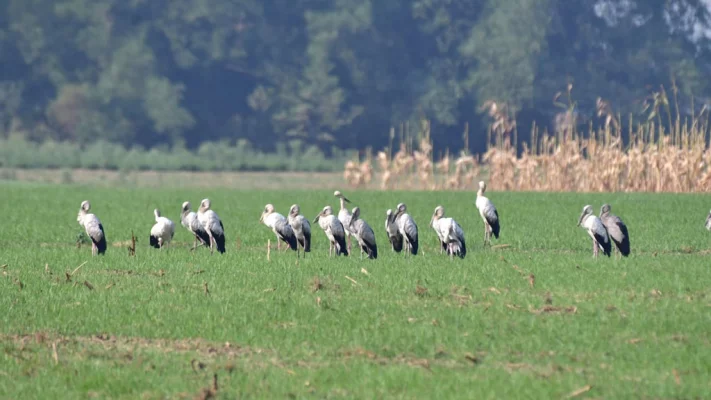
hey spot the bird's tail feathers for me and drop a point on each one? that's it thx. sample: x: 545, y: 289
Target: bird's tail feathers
x: 153, y: 241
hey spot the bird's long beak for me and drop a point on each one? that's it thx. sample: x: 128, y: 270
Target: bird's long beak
x: 317, y: 218
x: 345, y: 199
x: 432, y: 219
x: 261, y: 217
x: 580, y: 220
x: 397, y: 214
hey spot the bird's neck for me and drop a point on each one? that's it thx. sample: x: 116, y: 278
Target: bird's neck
x: 343, y: 204
x: 480, y: 193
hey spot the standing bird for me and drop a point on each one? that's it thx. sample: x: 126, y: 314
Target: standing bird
x: 616, y: 229
x: 279, y: 226
x: 488, y: 213
x: 93, y: 228
x: 407, y: 228
x: 393, y: 233
x: 212, y: 225
x: 334, y: 230
x: 301, y: 227
x: 190, y: 221
x: 596, y: 230
x: 451, y: 235
x: 364, y: 235
x: 708, y: 221
x: 162, y: 231
x: 344, y: 216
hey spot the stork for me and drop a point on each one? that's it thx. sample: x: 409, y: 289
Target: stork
x: 451, y: 235
x: 616, y: 229
x: 279, y: 225
x: 334, y: 230
x: 190, y: 221
x: 93, y: 228
x: 407, y: 228
x: 393, y: 233
x: 364, y: 235
x: 162, y: 231
x: 708, y: 221
x: 212, y: 225
x: 488, y: 214
x: 344, y: 216
x: 301, y: 227
x: 596, y: 230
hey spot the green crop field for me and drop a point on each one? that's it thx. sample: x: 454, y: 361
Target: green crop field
x: 163, y: 324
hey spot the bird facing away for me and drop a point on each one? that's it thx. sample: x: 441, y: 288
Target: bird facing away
x: 596, y: 230
x: 616, y: 229
x: 488, y: 213
x: 212, y: 225
x: 407, y: 228
x: 393, y: 233
x: 364, y: 235
x: 708, y: 221
x: 93, y: 228
x: 190, y: 221
x: 162, y: 231
x: 301, y: 227
x: 451, y: 235
x: 279, y: 225
x: 333, y: 228
x: 344, y: 215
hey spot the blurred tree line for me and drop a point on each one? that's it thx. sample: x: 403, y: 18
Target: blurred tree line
x: 331, y: 72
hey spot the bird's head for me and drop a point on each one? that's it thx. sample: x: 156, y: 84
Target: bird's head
x: 437, y: 214
x: 185, y: 207
x: 294, y: 210
x: 400, y: 209
x: 205, y: 205
x: 355, y: 214
x: 268, y: 209
x: 340, y: 195
x: 605, y: 209
x: 587, y: 210
x: 324, y: 213
x: 156, y: 212
x: 85, y: 206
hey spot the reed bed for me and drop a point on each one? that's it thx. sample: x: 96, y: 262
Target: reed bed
x: 665, y: 153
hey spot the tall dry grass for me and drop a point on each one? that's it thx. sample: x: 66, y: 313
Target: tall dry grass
x: 665, y: 153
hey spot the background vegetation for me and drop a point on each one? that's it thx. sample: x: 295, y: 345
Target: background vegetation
x: 182, y: 74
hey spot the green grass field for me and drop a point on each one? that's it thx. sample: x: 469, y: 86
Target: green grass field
x: 162, y: 324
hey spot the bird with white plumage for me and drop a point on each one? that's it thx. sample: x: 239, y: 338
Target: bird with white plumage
x: 212, y: 224
x: 334, y: 230
x: 93, y: 228
x: 708, y: 221
x: 189, y: 220
x: 596, y: 230
x: 162, y: 231
x: 488, y: 214
x: 364, y: 235
x: 344, y: 216
x: 393, y: 232
x: 301, y: 227
x: 279, y: 225
x: 407, y: 228
x: 450, y: 234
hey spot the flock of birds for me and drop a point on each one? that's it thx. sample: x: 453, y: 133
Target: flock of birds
x: 295, y: 230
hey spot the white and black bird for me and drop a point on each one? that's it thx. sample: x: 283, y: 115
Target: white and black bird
x: 344, y: 215
x: 162, y: 231
x: 93, y: 228
x: 301, y: 227
x: 596, y: 230
x: 189, y: 220
x: 407, y: 228
x: 616, y: 229
x: 488, y: 214
x: 279, y: 225
x: 708, y: 221
x: 212, y: 225
x: 394, y: 235
x: 364, y: 235
x: 450, y: 233
x: 334, y: 230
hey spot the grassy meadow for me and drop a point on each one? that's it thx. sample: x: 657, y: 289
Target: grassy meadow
x: 164, y: 324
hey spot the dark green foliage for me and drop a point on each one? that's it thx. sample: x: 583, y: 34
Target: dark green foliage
x: 330, y: 73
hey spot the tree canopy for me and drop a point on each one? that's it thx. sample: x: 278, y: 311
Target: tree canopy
x: 331, y: 72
